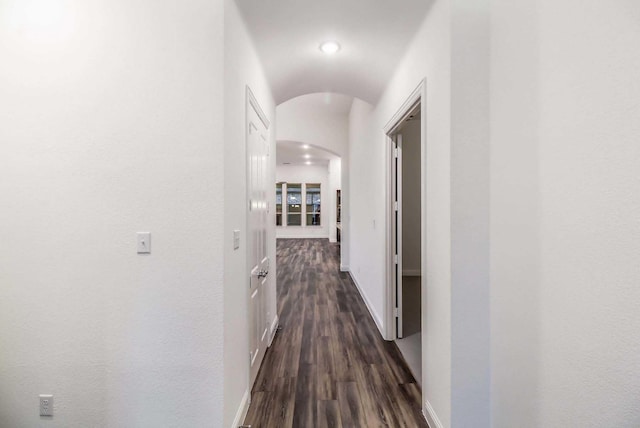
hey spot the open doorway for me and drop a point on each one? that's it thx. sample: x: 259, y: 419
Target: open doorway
x: 409, y: 339
x: 406, y: 231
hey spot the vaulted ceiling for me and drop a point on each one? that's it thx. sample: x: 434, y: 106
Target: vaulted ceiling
x: 373, y: 35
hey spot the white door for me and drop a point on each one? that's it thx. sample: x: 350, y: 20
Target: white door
x: 397, y: 230
x: 257, y: 191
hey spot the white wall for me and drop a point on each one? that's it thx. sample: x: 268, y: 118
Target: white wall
x: 428, y: 56
x: 111, y: 124
x: 515, y: 216
x: 470, y: 172
x: 411, y: 198
x: 306, y: 174
x: 306, y: 120
x: 366, y: 209
x: 451, y: 51
x: 565, y: 205
x: 242, y: 68
x: 335, y: 174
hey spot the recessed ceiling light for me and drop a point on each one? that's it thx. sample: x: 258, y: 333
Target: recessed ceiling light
x: 308, y: 162
x: 307, y: 156
x: 305, y: 146
x: 330, y: 47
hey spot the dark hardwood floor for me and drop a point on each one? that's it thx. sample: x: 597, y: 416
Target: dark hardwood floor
x: 328, y: 366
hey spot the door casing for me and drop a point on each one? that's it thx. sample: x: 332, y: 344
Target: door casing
x: 257, y: 154
x: 417, y: 97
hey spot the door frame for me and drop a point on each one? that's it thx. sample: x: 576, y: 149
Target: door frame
x: 417, y: 97
x: 251, y: 103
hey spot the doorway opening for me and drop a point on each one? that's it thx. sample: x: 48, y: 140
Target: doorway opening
x: 405, y: 228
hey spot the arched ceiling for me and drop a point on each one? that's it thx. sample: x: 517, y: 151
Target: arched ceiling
x: 374, y: 35
x: 296, y: 153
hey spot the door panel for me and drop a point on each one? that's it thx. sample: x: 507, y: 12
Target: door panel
x: 258, y: 168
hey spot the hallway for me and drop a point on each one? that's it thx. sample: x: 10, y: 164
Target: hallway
x: 328, y: 366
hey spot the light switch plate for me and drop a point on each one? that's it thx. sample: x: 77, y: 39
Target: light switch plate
x: 144, y: 242
x: 46, y: 405
x: 236, y: 239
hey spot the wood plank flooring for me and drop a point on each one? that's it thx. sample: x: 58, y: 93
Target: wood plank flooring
x: 328, y: 366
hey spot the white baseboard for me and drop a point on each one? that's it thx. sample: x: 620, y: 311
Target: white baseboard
x: 411, y: 272
x: 274, y: 329
x: 344, y: 268
x: 242, y: 410
x: 430, y: 415
x: 372, y: 311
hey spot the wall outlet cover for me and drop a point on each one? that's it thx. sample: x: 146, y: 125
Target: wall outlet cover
x: 46, y: 405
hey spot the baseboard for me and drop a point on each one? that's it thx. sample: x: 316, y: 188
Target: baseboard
x: 411, y: 272
x: 242, y: 410
x: 430, y: 416
x: 344, y: 268
x: 274, y: 329
x: 372, y: 311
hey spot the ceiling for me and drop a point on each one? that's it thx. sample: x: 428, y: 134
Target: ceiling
x: 323, y: 103
x: 374, y: 35
x: 293, y: 153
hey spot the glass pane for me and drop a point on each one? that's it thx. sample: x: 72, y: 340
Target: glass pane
x: 279, y: 194
x: 294, y: 204
x: 294, y: 220
x: 278, y: 204
x: 294, y: 193
x: 313, y: 204
x: 313, y: 219
x: 294, y: 198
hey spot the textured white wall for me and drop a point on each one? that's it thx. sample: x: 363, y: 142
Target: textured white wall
x: 515, y: 216
x: 428, y: 56
x: 470, y: 173
x: 111, y: 124
x: 451, y: 51
x: 306, y: 174
x: 565, y: 161
x: 242, y: 68
x: 366, y: 209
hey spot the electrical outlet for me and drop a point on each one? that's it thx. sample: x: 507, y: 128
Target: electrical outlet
x: 46, y: 405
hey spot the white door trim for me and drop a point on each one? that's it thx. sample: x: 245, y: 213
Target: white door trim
x: 418, y: 96
x: 251, y: 103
